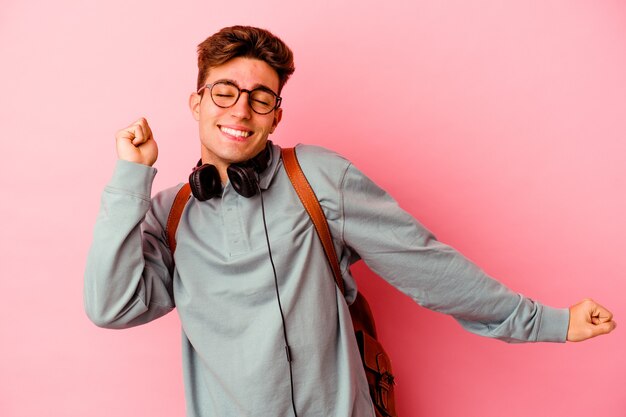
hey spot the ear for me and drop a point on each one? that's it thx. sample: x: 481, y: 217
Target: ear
x: 278, y: 115
x: 194, y: 105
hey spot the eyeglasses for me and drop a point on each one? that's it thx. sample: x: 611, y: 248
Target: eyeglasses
x: 225, y: 94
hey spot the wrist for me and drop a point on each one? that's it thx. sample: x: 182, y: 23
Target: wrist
x: 133, y: 177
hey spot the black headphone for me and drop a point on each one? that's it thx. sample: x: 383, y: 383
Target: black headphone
x: 205, y: 180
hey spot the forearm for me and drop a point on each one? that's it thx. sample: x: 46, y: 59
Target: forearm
x: 127, y: 281
x: 441, y: 279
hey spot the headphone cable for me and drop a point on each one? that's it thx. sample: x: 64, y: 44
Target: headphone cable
x: 280, y: 307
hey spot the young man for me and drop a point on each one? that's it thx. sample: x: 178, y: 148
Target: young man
x: 226, y: 285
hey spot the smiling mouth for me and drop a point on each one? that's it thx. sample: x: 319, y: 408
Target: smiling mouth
x: 235, y: 132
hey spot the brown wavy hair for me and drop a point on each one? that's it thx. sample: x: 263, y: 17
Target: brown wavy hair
x: 247, y: 42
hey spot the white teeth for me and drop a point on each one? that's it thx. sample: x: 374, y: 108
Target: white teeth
x: 234, y: 132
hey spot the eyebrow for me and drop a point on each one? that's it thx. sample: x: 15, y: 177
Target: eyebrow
x: 254, y: 87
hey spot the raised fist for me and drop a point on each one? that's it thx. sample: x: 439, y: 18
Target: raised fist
x: 136, y: 143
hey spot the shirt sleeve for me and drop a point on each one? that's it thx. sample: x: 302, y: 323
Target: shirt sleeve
x: 399, y: 249
x: 128, y: 276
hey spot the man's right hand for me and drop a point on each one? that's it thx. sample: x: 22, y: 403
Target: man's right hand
x: 136, y: 143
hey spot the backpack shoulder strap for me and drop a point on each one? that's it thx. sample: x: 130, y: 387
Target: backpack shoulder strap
x: 175, y: 213
x: 375, y: 360
x: 312, y: 206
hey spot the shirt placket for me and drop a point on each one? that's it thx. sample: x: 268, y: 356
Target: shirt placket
x: 233, y: 222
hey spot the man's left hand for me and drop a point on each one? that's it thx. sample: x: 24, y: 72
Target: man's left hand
x: 588, y: 319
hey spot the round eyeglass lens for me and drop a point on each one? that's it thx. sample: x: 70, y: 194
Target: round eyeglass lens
x: 224, y: 94
x: 262, y: 101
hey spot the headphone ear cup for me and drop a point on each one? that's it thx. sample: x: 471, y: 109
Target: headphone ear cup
x: 205, y: 182
x: 243, y: 179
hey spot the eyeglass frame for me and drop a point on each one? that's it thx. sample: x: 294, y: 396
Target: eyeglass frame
x: 278, y: 98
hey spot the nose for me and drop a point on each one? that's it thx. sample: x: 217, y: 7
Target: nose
x: 241, y: 109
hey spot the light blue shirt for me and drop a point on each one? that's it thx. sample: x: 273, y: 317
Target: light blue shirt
x: 222, y: 285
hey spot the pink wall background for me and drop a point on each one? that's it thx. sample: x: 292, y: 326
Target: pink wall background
x: 500, y: 125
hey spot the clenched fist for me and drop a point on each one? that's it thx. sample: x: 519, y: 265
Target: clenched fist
x: 136, y: 143
x: 589, y: 319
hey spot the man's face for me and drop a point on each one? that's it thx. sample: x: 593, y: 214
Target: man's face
x: 237, y: 133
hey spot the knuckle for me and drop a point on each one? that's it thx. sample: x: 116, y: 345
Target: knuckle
x: 122, y: 134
